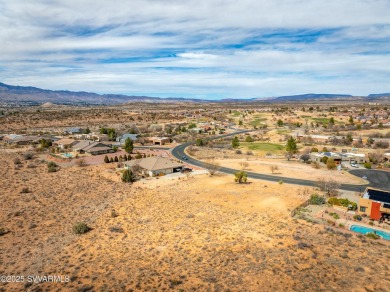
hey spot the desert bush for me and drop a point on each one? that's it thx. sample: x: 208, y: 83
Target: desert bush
x: 244, y: 165
x: 331, y: 164
x: 274, y: 168
x: 114, y: 214
x: 280, y: 182
x: 342, y: 202
x: 28, y: 156
x: 357, y: 217
x: 238, y: 152
x: 25, y: 190
x: 2, y: 231
x: 367, y: 165
x: 212, y: 166
x: 316, y: 199
x: 315, y: 165
x: 81, y: 162
x: 81, y: 228
x: 52, y: 167
x: 17, y: 160
x: 372, y: 235
x: 240, y: 177
x: 128, y: 176
x: 116, y: 229
x: 381, y: 144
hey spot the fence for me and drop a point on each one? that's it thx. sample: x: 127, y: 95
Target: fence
x: 303, y: 205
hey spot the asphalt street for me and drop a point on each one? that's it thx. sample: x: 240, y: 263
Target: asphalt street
x: 377, y: 179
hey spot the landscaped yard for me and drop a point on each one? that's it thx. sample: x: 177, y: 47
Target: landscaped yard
x: 261, y: 146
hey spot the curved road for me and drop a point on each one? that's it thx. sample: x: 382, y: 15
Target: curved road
x: 178, y: 152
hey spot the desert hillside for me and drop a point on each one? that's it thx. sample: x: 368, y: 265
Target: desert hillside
x: 199, y: 233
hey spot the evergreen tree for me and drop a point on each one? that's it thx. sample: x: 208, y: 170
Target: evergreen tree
x: 235, y: 143
x: 111, y: 159
x: 291, y: 147
x: 116, y: 159
x: 106, y: 160
x: 128, y: 145
x: 128, y: 176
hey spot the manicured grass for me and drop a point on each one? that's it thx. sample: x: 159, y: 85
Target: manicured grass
x: 268, y: 147
x: 257, y: 122
x: 321, y: 120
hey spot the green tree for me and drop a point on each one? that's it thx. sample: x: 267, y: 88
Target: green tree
x: 240, y: 123
x: 350, y: 120
x: 116, y: 159
x: 128, y: 176
x: 331, y: 164
x: 331, y: 120
x: 128, y: 145
x: 249, y: 139
x: 199, y: 142
x: 240, y: 177
x: 106, y: 160
x: 280, y: 123
x: 291, y: 147
x: 235, y: 143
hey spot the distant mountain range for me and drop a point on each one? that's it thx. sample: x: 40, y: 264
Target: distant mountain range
x: 27, y: 94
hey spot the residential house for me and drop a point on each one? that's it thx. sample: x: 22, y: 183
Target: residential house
x: 338, y: 157
x: 375, y: 203
x: 92, y: 148
x: 122, y: 139
x: 65, y: 143
x: 20, y: 139
x: 155, y: 165
x: 73, y: 130
x: 159, y: 140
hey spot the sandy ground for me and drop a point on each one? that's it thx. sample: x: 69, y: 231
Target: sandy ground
x: 199, y: 233
x: 291, y: 169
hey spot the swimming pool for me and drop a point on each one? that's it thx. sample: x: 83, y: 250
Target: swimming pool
x: 364, y: 230
x: 67, y: 155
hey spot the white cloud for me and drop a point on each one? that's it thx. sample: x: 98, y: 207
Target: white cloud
x: 223, y: 48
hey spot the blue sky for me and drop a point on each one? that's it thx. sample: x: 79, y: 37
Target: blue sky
x: 203, y: 49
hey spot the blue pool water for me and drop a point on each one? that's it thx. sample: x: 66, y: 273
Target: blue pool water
x: 67, y: 155
x: 365, y: 230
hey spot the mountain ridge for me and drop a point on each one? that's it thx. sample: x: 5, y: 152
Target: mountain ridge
x: 17, y: 93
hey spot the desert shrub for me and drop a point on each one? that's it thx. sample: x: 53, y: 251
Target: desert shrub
x: 372, y: 235
x: 371, y: 223
x: 114, y: 214
x: 249, y: 139
x: 28, y: 156
x: 342, y: 202
x: 367, y: 165
x: 2, y: 231
x: 324, y: 159
x: 315, y: 165
x: 280, y: 182
x: 52, y: 166
x: 238, y: 152
x: 116, y: 229
x: 17, y: 160
x: 316, y: 199
x: 115, y: 148
x: 249, y: 152
x: 81, y: 162
x: 331, y: 164
x: 314, y: 149
x: 357, y: 217
x: 81, y: 228
x: 341, y: 225
x: 381, y: 144
x: 128, y: 176
x: 240, y: 177
x: 25, y: 190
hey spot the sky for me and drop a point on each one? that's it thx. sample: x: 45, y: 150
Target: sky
x: 208, y: 49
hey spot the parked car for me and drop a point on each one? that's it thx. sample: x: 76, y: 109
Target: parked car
x: 184, y: 158
x: 186, y: 169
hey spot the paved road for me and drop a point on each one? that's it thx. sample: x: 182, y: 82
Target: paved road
x: 382, y: 182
